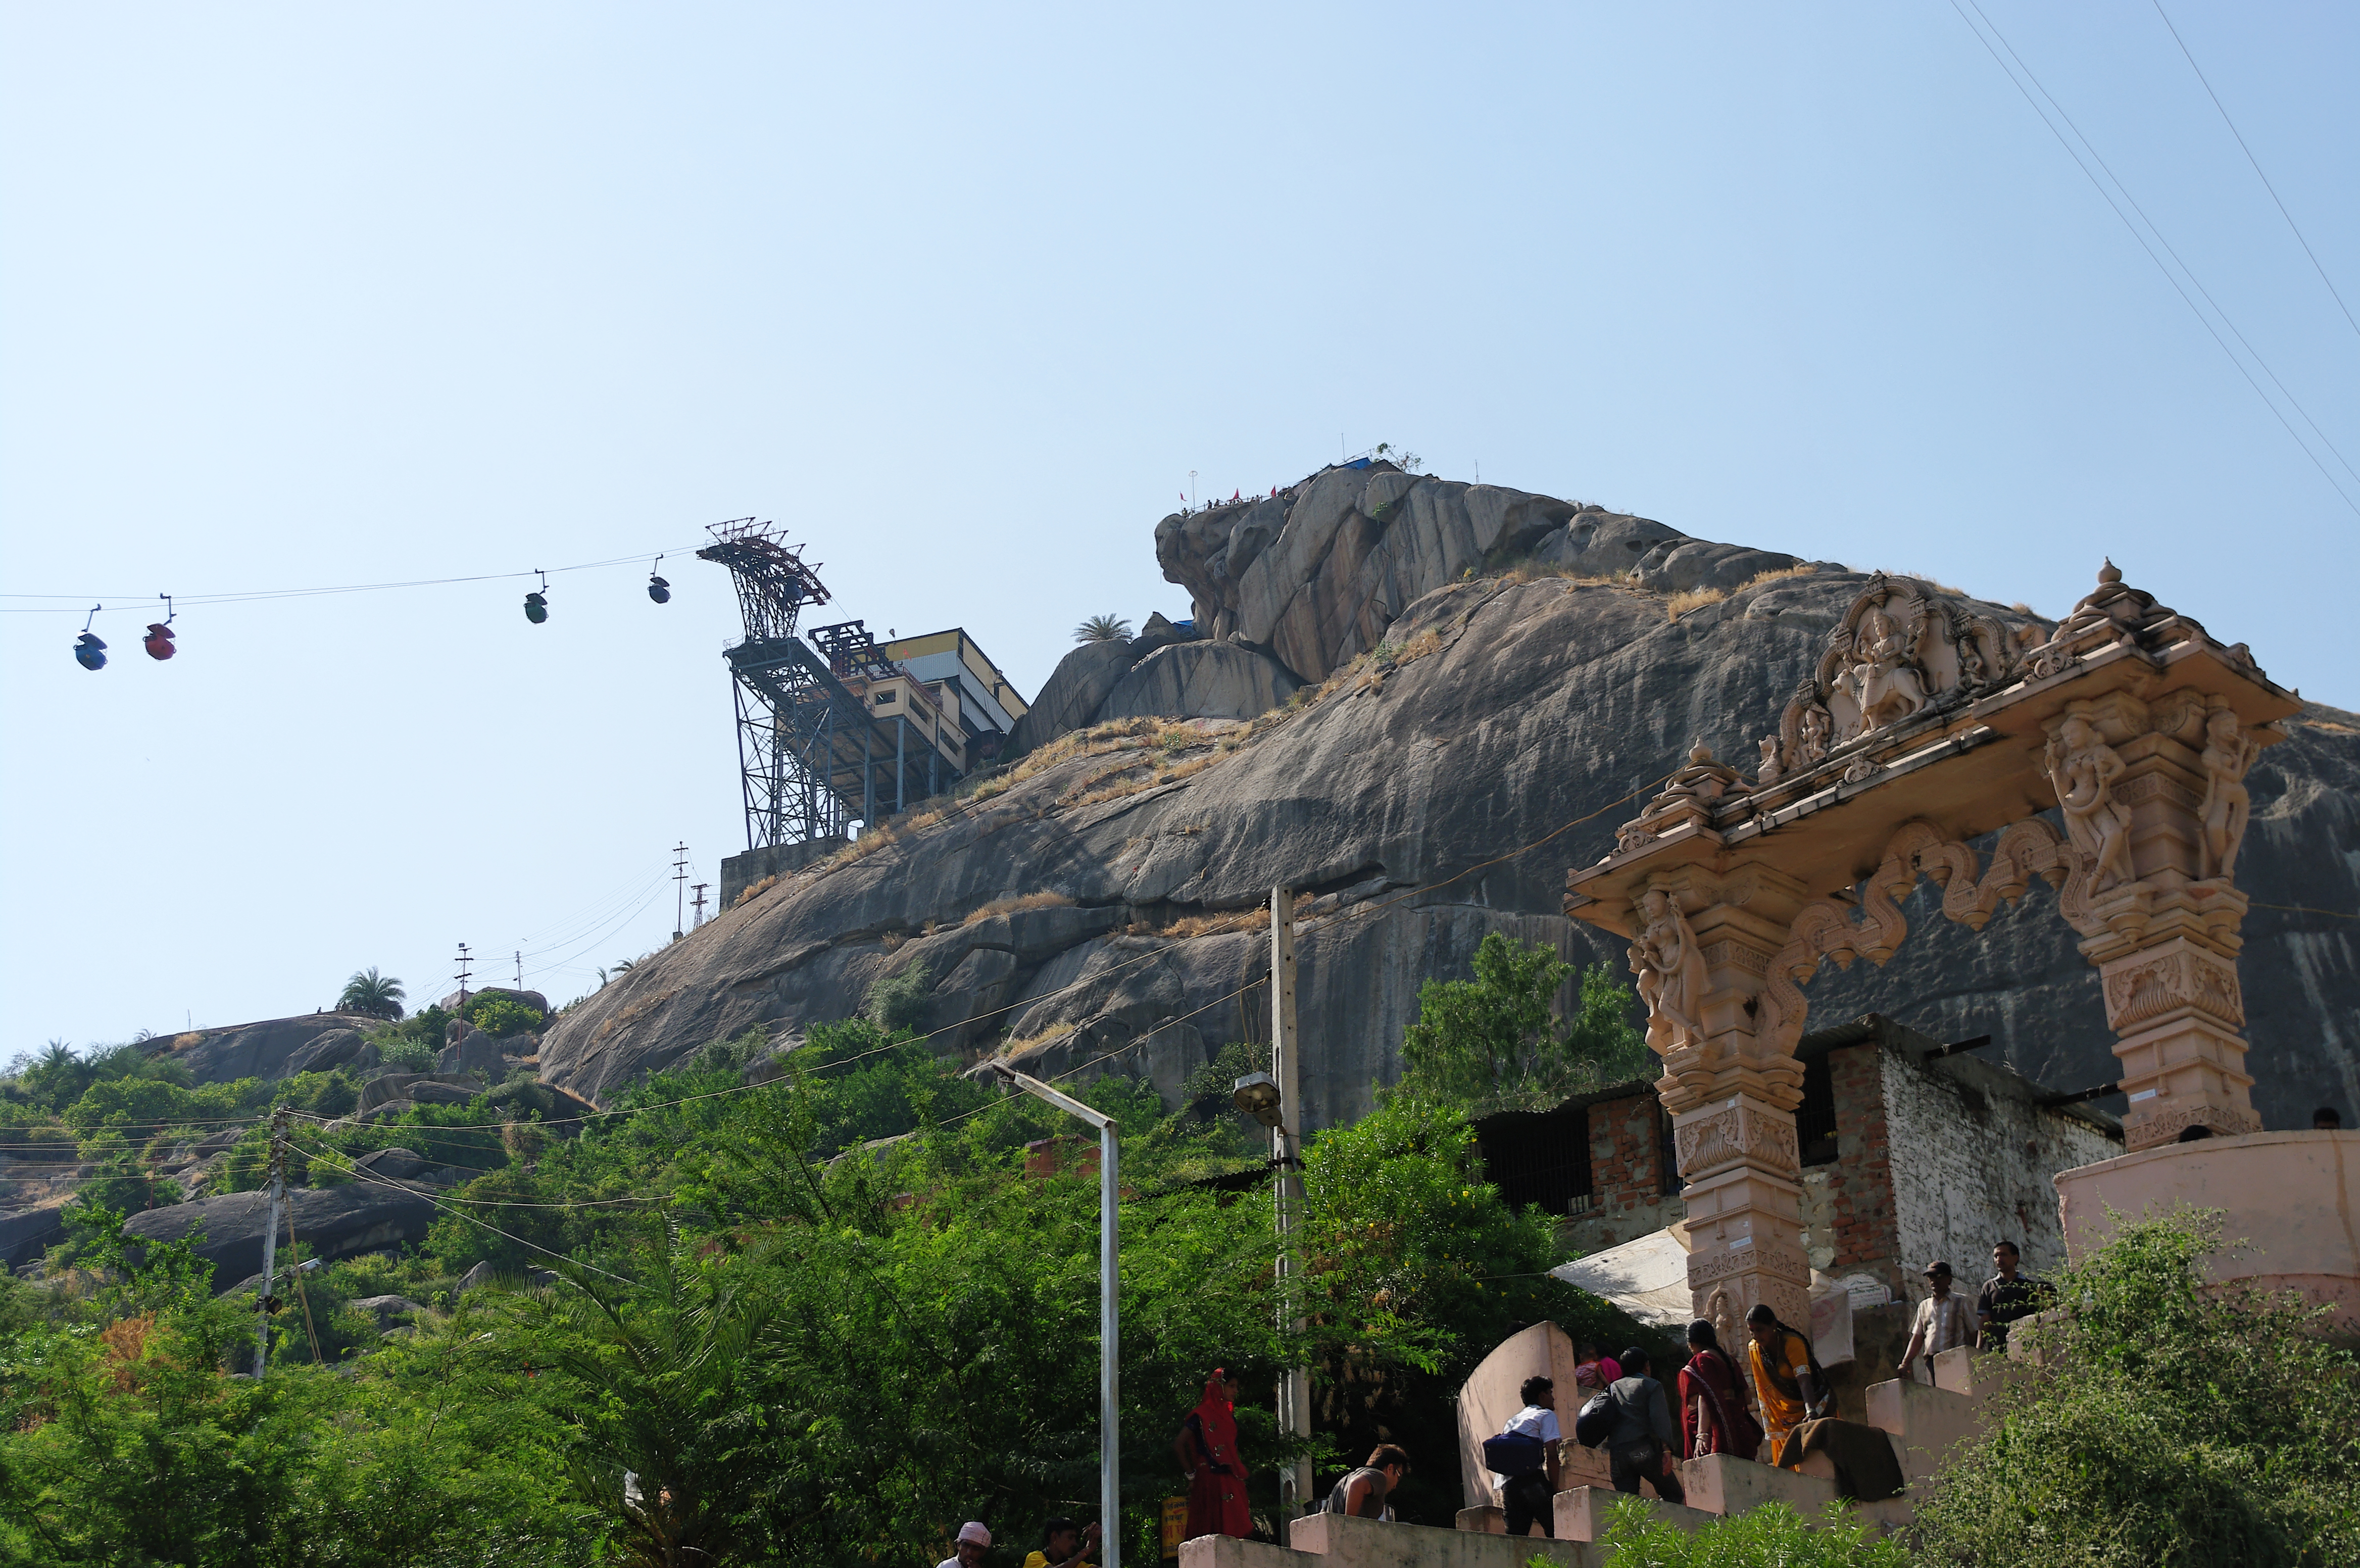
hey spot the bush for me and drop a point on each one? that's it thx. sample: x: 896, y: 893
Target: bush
x: 503, y: 1016
x: 900, y: 1002
x: 2170, y: 1422
x: 406, y: 1053
x: 1771, y: 1534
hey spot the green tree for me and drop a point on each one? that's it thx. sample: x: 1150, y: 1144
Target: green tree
x: 1103, y: 629
x: 2168, y: 1422
x: 1493, y: 1041
x: 368, y: 992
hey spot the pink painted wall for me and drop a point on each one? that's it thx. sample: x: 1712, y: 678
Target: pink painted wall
x: 2292, y: 1201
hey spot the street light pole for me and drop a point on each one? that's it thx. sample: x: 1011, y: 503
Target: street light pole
x: 1286, y: 1157
x: 1109, y: 1319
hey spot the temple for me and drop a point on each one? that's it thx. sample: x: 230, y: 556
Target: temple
x: 1935, y: 737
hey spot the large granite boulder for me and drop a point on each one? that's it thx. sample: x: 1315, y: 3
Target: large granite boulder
x: 475, y: 1052
x: 337, y: 1048
x: 25, y: 1234
x: 1076, y: 690
x: 1424, y: 805
x: 1318, y: 573
x: 270, y: 1048
x: 331, y: 1223
x: 1200, y: 680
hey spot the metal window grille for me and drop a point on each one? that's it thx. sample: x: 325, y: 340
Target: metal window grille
x: 1815, y: 1118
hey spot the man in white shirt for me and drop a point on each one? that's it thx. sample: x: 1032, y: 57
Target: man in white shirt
x: 974, y: 1541
x: 1531, y: 1497
x: 1944, y: 1322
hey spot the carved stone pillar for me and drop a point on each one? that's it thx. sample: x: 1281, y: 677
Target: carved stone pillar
x: 1704, y: 945
x: 2155, y: 806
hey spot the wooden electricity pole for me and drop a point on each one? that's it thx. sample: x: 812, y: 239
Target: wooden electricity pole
x: 1286, y: 1158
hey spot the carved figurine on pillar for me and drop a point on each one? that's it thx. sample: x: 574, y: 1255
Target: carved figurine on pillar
x: 1671, y: 975
x: 2227, y: 755
x: 2083, y: 769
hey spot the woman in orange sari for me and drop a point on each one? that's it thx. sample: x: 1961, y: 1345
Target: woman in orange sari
x: 1714, y: 1417
x: 1208, y: 1447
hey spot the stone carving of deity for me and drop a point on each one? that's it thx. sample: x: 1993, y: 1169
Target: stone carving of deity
x: 1671, y: 971
x: 1884, y: 684
x: 1817, y: 729
x: 2227, y: 755
x: 1772, y: 769
x: 2083, y: 769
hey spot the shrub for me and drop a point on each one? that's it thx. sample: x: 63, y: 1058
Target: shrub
x: 896, y: 1003
x: 1773, y: 1533
x: 407, y: 1054
x: 2169, y: 1421
x: 503, y: 1015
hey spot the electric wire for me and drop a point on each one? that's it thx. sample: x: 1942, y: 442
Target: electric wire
x: 2256, y: 162
x: 134, y: 602
x: 2169, y: 275
x: 364, y: 1175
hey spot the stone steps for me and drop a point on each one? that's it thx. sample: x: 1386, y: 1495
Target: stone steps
x: 1923, y: 1422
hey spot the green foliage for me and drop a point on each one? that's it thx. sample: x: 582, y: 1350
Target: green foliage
x: 368, y: 992
x: 124, y: 1444
x: 1771, y: 1536
x: 825, y: 1319
x: 2170, y: 1422
x: 1103, y: 629
x: 503, y: 1015
x: 413, y: 1044
x: 1422, y: 1269
x: 898, y: 1002
x: 1493, y: 1042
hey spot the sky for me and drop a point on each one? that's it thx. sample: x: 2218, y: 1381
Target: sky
x: 967, y: 297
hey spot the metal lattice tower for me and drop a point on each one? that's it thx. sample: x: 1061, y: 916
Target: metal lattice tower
x: 785, y: 718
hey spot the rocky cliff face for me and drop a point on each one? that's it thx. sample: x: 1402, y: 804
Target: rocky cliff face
x: 1096, y: 906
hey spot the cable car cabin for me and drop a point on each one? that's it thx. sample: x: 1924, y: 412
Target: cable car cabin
x: 929, y: 708
x: 160, y: 641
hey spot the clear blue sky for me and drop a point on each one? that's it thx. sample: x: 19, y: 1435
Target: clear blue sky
x: 304, y: 295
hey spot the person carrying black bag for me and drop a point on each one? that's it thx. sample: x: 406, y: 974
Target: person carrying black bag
x: 1644, y: 1443
x: 1524, y: 1456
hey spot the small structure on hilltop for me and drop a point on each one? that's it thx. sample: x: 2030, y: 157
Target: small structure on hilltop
x: 1927, y: 725
x: 838, y: 729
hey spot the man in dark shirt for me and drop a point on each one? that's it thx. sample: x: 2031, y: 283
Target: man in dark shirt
x: 2006, y: 1296
x: 1644, y: 1444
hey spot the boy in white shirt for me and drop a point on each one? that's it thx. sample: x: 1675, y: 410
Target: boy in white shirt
x: 1531, y: 1497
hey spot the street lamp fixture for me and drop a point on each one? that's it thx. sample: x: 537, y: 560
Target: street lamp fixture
x: 1256, y: 1094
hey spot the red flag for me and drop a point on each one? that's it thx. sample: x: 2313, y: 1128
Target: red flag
x: 1233, y: 495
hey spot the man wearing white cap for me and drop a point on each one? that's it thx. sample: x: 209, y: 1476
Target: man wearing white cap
x: 973, y: 1541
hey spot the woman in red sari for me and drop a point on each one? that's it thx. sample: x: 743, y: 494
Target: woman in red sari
x: 1714, y: 1416
x: 1208, y: 1447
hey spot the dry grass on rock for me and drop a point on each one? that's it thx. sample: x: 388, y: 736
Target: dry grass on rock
x: 1016, y: 905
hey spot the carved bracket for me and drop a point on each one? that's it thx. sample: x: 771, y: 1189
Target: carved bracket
x: 1825, y: 929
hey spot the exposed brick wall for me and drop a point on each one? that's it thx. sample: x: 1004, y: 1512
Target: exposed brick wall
x: 1864, y: 1236
x: 1626, y: 1178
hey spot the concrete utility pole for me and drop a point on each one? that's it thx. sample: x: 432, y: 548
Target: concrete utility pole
x: 1286, y: 1158
x: 463, y: 962
x: 270, y: 1239
x: 679, y: 881
x: 1109, y: 1318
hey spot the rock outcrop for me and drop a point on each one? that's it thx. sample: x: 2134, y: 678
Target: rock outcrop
x: 1316, y: 573
x: 1097, y: 913
x: 275, y: 1047
x: 331, y: 1223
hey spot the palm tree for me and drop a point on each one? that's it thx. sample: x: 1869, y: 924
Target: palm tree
x: 379, y: 995
x: 1103, y: 629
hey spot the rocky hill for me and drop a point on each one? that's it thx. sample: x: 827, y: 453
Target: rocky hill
x: 1418, y: 702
